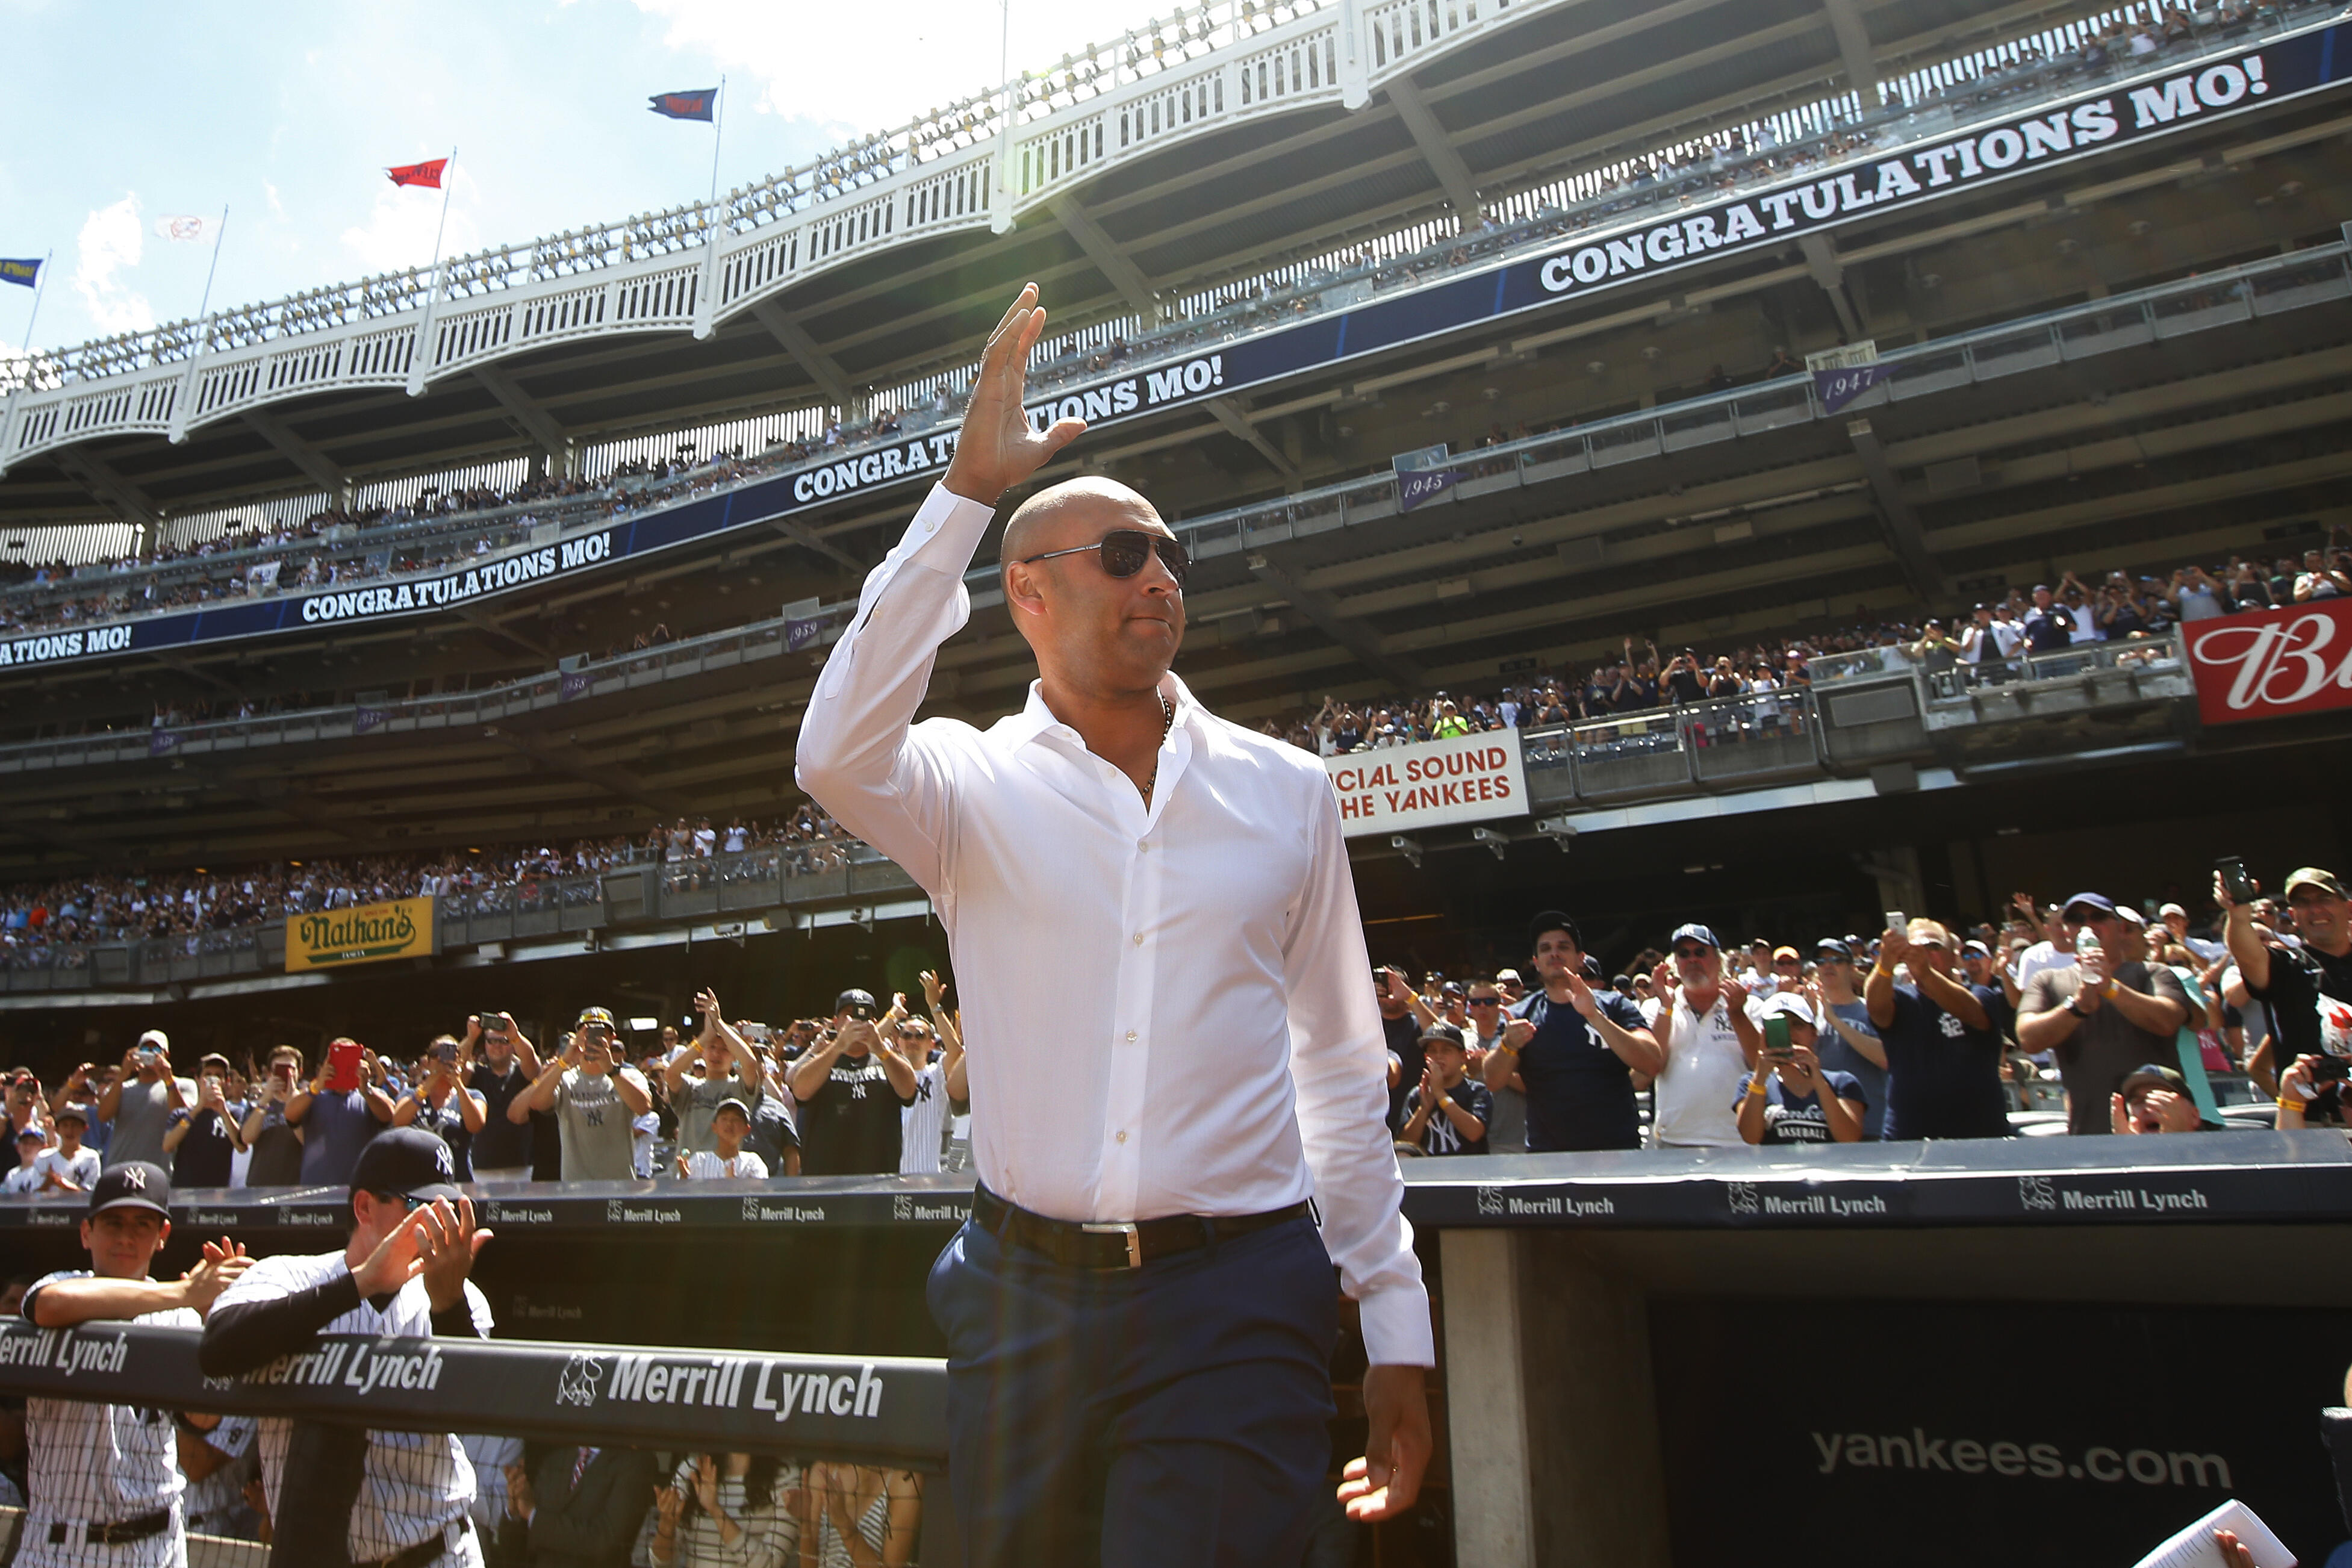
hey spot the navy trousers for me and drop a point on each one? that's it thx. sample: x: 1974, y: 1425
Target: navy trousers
x: 1176, y: 1415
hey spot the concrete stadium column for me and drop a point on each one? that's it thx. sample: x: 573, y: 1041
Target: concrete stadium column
x: 1487, y: 1397
x: 1596, y: 1476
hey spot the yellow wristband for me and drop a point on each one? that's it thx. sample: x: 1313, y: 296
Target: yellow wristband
x: 1756, y: 1084
x: 2286, y: 1104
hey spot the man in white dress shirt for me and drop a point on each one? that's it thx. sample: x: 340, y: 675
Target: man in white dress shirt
x: 1140, y: 1313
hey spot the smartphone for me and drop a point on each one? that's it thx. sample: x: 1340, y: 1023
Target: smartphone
x: 1776, y: 1039
x: 448, y: 1053
x: 862, y: 1011
x: 2330, y: 1069
x: 2234, y: 880
x: 1897, y: 920
x: 343, y: 1067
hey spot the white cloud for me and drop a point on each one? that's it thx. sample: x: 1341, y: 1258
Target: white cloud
x: 833, y: 65
x: 111, y: 240
x: 398, y: 233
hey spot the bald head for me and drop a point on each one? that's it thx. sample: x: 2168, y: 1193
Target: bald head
x: 1091, y: 631
x: 1075, y: 511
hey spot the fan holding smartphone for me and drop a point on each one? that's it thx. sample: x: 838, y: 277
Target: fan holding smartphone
x: 2308, y: 990
x: 1790, y: 1098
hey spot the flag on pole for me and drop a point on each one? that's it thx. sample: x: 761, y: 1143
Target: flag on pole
x: 26, y: 273
x: 698, y: 105
x: 427, y: 174
x: 184, y: 226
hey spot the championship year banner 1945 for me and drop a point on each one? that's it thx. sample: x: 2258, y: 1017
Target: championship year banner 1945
x: 2272, y: 664
x: 1429, y: 783
x: 367, y: 933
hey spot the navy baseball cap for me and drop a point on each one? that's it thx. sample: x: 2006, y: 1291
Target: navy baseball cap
x: 733, y: 1104
x: 851, y: 998
x: 1553, y: 919
x: 32, y: 1129
x: 408, y: 1160
x: 2099, y: 901
x: 1833, y: 947
x: 1696, y: 933
x: 132, y: 1185
x: 1445, y: 1031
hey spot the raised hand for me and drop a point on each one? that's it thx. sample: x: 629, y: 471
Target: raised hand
x: 215, y: 1272
x: 998, y: 447
x: 934, y: 991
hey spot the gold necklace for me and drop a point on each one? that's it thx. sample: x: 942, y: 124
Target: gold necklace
x: 1167, y: 723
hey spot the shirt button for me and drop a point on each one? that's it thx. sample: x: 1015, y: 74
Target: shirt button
x: 1138, y: 938
x: 1123, y: 1136
x: 1130, y: 1034
x: 1143, y: 845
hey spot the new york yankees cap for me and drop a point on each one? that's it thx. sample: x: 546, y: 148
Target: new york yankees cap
x: 132, y: 1185
x: 408, y: 1160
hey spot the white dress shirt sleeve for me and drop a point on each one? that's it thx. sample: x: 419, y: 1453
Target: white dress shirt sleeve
x: 1338, y: 1062
x: 855, y: 753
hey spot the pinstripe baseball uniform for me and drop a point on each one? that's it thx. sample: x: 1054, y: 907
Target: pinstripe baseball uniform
x: 90, y: 1464
x: 413, y: 1486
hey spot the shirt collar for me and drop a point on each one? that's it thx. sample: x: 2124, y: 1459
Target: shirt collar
x: 1036, y: 719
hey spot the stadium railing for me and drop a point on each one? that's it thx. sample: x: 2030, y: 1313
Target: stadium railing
x: 882, y: 1410
x: 1928, y: 102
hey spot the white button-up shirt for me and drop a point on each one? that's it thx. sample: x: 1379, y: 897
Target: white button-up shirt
x: 1167, y: 1009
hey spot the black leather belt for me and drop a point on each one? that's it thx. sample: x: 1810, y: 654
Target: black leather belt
x: 138, y: 1529
x: 425, y: 1551
x: 1124, y: 1244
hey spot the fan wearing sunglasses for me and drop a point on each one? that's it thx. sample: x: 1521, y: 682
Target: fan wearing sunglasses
x: 1179, y: 884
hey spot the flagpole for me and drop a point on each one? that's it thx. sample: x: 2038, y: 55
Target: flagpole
x: 448, y: 185
x: 212, y: 271
x: 718, y: 139
x: 40, y: 287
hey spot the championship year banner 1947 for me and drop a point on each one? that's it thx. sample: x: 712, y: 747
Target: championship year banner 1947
x: 2272, y: 664
x: 1429, y: 783
x: 366, y: 934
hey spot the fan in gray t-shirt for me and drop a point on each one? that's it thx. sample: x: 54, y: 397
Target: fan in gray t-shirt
x: 141, y: 1103
x: 595, y: 1099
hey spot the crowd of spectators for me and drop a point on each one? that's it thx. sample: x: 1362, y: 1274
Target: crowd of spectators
x: 36, y: 920
x: 1987, y: 644
x: 871, y: 1089
x: 44, y: 598
x: 2090, y: 1015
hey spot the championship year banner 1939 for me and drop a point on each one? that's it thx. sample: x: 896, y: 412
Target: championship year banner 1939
x: 366, y: 934
x: 1429, y: 783
x: 2272, y: 664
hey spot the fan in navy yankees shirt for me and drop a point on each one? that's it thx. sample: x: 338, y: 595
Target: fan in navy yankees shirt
x: 104, y: 1481
x: 395, y: 1497
x: 1790, y: 1098
x: 1575, y: 1048
x: 850, y: 1087
x: 203, y: 1140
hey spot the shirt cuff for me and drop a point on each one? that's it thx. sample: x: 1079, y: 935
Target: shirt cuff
x: 1396, y: 1327
x: 945, y: 525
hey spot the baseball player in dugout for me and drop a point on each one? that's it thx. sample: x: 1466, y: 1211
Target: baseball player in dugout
x: 106, y: 1481
x: 378, y: 1499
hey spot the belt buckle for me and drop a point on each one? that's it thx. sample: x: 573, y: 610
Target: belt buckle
x: 1125, y: 1227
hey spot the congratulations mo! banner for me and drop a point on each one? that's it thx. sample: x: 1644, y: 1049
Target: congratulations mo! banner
x: 2123, y: 114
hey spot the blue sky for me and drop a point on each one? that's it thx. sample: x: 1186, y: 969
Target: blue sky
x: 128, y: 112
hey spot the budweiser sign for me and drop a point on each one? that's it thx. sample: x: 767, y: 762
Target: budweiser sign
x: 2269, y: 664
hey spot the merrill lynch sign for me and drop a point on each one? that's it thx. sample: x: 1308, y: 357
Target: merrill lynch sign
x: 2271, y: 663
x: 369, y: 933
x: 1429, y: 784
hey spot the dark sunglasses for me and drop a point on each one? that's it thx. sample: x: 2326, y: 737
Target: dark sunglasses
x: 1694, y: 953
x: 1124, y: 550
x: 1485, y: 1001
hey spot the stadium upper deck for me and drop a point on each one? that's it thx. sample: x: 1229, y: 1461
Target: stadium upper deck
x: 2184, y: 424
x: 1240, y: 136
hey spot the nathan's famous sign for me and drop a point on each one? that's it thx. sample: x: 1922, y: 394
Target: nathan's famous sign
x: 366, y: 934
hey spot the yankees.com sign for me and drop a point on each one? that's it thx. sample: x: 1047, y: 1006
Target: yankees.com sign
x: 2272, y: 664
x: 1429, y: 783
